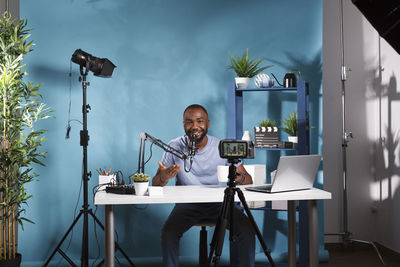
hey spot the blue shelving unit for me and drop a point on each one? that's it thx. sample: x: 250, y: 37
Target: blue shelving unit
x: 235, y: 131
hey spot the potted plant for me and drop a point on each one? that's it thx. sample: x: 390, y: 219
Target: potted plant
x: 290, y: 126
x: 267, y: 123
x: 245, y: 68
x: 141, y: 183
x: 266, y: 134
x: 21, y: 108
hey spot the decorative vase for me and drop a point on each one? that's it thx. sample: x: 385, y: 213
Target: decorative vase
x: 141, y: 188
x: 242, y: 82
x: 292, y: 139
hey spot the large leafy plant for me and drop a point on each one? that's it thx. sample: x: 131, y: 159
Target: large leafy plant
x: 21, y: 108
x: 246, y: 67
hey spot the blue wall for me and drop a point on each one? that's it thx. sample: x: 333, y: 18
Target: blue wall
x: 169, y: 54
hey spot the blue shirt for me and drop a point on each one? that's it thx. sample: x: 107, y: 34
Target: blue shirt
x: 204, y: 166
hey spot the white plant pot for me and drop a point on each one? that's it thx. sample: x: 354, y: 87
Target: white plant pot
x: 242, y: 82
x: 141, y: 188
x: 292, y: 139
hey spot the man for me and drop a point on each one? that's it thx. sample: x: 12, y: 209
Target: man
x: 203, y: 172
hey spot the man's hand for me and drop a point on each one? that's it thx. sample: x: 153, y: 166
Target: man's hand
x: 164, y: 174
x: 170, y: 172
x: 247, y: 177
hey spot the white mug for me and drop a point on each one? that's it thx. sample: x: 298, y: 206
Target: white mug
x: 223, y: 172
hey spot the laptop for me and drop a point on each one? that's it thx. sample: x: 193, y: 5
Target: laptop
x: 293, y: 173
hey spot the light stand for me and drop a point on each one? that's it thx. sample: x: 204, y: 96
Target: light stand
x: 85, y: 211
x: 226, y: 216
x: 347, y: 237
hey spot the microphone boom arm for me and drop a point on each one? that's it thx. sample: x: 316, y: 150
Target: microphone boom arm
x: 167, y: 148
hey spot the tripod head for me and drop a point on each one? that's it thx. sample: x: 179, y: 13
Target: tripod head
x: 232, y: 172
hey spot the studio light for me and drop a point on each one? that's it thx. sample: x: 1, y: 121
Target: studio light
x: 104, y: 68
x: 99, y: 66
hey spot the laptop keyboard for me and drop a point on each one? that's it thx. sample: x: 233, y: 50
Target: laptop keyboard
x: 260, y: 188
x: 263, y: 187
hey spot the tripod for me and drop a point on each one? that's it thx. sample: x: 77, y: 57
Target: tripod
x: 226, y: 213
x: 85, y: 211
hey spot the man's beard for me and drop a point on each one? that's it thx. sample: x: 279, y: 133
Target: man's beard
x: 199, y: 139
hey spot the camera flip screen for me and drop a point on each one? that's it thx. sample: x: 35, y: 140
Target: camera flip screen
x: 234, y: 149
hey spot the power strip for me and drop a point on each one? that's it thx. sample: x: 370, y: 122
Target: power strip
x: 127, y: 189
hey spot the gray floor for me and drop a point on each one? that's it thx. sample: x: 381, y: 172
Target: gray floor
x: 351, y: 256
x: 360, y: 256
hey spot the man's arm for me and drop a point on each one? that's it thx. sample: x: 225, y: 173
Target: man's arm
x: 164, y: 174
x: 247, y: 177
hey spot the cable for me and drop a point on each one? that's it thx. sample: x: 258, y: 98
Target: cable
x: 151, y: 154
x: 184, y: 165
x: 144, y: 164
x: 74, y: 217
x: 68, y: 127
x: 69, y: 102
x: 117, y: 176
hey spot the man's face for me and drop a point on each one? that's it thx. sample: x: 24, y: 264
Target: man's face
x: 195, y: 121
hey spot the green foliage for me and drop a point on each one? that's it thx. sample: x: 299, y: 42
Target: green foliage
x: 21, y: 108
x: 140, y: 177
x: 290, y: 124
x: 246, y: 67
x: 267, y: 123
x: 13, y: 37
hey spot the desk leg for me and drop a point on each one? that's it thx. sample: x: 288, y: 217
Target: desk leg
x: 313, y: 233
x: 292, y: 233
x: 109, y: 236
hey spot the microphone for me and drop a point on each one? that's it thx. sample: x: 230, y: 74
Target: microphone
x: 192, y: 149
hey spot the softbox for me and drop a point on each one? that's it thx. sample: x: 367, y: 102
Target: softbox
x: 384, y: 15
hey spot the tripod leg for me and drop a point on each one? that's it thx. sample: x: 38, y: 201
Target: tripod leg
x: 85, y: 242
x: 267, y: 252
x: 62, y: 239
x: 220, y: 228
x: 116, y: 244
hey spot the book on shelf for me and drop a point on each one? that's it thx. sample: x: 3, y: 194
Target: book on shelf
x: 279, y: 144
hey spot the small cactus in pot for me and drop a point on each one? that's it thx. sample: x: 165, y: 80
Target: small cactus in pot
x: 140, y: 177
x: 141, y: 183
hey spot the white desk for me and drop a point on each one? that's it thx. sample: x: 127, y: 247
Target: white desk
x: 201, y: 194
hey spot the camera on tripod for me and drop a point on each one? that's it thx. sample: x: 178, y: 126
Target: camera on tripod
x: 236, y: 149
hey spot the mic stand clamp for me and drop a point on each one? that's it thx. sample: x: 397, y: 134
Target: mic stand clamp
x: 227, y: 215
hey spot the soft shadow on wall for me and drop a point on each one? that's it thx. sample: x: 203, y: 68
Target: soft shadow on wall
x: 385, y: 169
x: 385, y: 189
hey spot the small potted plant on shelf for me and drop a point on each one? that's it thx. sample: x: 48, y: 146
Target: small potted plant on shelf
x: 141, y: 183
x: 245, y: 68
x: 290, y: 126
x: 266, y: 134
